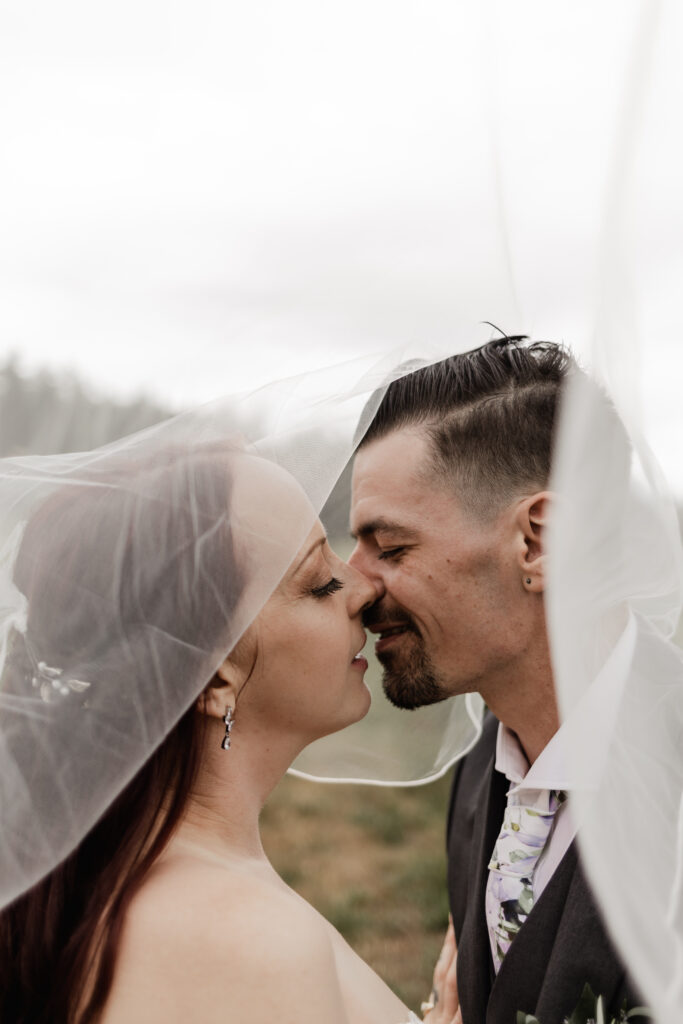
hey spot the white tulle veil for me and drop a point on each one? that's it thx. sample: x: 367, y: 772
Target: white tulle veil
x: 250, y: 178
x: 616, y: 570
x: 129, y: 572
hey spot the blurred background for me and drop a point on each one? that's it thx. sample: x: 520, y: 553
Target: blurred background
x: 196, y: 199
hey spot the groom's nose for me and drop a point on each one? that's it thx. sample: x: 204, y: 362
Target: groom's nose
x: 368, y: 566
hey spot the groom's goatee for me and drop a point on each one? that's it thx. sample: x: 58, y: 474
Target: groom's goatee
x: 409, y: 679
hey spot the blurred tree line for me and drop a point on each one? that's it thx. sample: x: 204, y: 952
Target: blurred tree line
x: 46, y: 412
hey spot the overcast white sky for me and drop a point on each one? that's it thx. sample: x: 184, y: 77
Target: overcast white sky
x: 195, y: 198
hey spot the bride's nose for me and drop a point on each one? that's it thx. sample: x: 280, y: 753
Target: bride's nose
x: 363, y: 592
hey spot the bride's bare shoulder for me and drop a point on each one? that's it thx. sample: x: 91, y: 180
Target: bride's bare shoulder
x: 208, y: 944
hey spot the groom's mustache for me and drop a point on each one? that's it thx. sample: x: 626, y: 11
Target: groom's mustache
x: 380, y: 616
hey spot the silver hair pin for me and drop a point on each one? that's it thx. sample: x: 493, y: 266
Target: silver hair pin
x: 52, y: 685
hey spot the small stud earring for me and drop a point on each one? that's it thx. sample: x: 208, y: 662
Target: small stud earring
x: 528, y: 581
x: 228, y: 718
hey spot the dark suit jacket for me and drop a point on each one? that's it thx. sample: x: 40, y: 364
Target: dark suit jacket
x: 562, y: 945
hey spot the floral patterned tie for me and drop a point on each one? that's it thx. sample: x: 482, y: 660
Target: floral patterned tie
x: 527, y: 824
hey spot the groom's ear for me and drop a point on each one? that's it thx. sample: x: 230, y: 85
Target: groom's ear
x: 531, y: 520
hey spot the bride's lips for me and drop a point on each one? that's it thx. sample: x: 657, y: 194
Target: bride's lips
x: 359, y: 661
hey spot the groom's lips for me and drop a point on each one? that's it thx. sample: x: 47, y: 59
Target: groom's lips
x: 389, y: 632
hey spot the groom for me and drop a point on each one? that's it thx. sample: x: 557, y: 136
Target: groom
x: 450, y: 504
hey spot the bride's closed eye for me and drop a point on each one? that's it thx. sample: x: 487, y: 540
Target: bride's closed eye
x: 327, y: 588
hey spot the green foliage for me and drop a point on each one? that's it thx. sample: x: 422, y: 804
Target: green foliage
x: 590, y: 1009
x: 587, y: 1007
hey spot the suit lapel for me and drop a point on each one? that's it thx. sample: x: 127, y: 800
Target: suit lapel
x: 475, y: 968
x: 582, y: 952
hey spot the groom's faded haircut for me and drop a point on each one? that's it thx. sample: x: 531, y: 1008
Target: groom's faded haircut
x: 489, y: 415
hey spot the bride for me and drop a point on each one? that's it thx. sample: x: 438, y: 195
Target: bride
x: 132, y: 589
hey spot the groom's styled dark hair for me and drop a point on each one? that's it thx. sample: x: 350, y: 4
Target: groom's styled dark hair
x: 488, y: 413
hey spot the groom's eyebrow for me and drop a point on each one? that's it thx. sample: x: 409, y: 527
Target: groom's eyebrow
x: 382, y: 525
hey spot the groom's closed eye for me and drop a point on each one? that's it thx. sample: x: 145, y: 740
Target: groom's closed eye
x: 392, y: 554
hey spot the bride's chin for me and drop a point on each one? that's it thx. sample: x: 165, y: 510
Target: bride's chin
x: 362, y: 706
x: 354, y: 712
x: 366, y: 702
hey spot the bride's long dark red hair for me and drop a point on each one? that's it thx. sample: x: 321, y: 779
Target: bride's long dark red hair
x: 59, y: 940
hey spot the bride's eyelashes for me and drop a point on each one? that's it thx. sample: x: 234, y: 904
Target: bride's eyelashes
x: 327, y: 588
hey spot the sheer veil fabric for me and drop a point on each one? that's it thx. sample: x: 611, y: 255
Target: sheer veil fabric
x: 616, y: 568
x: 150, y: 557
x: 250, y: 175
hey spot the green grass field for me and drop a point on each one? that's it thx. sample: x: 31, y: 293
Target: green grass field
x: 372, y: 860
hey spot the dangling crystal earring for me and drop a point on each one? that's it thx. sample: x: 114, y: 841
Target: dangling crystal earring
x: 228, y: 718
